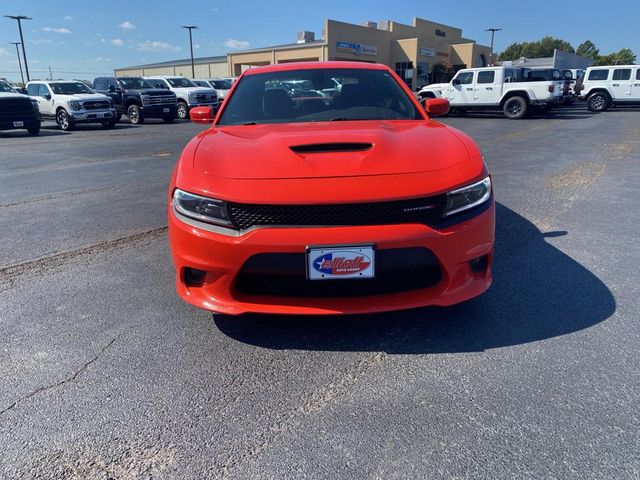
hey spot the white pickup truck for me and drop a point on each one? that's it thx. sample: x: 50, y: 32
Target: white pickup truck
x: 496, y: 88
x: 188, y: 93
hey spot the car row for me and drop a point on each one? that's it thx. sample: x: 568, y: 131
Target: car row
x: 518, y: 91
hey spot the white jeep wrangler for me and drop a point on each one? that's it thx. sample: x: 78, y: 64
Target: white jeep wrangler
x: 188, y: 93
x: 72, y: 102
x: 604, y: 87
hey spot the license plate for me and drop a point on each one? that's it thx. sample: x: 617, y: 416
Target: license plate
x: 18, y: 124
x: 336, y: 263
x: 166, y: 110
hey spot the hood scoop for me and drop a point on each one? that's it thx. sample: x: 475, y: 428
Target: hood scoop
x: 330, y: 147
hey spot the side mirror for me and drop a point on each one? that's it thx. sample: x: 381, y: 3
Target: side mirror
x: 202, y: 115
x: 46, y: 96
x: 456, y: 81
x: 436, y: 107
x: 111, y: 89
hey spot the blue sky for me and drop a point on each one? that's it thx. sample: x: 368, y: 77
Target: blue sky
x: 82, y: 39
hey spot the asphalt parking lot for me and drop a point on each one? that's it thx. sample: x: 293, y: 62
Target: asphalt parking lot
x: 107, y: 374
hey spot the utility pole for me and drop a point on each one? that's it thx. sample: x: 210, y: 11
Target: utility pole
x: 19, y: 62
x: 19, y: 18
x: 493, y: 32
x: 50, y: 74
x: 193, y: 68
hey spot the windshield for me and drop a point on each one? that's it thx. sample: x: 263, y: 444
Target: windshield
x: 221, y: 84
x: 311, y: 96
x: 134, y: 83
x: 5, y: 88
x: 181, y: 82
x: 69, y: 88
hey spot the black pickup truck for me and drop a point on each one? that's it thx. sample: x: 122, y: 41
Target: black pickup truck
x: 136, y: 98
x: 18, y: 111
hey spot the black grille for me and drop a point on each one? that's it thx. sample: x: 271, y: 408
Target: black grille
x: 284, y: 275
x: 426, y: 210
x: 95, y: 105
x: 15, y: 105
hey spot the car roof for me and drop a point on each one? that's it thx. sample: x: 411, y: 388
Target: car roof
x: 612, y: 66
x: 284, y: 67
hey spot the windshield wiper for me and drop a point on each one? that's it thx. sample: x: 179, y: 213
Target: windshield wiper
x: 345, y: 119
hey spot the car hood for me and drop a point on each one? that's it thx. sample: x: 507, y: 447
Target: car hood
x: 435, y: 86
x: 11, y: 95
x: 82, y: 96
x: 321, y: 150
x: 194, y: 90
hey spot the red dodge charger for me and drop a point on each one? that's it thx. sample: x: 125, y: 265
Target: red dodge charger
x: 325, y: 188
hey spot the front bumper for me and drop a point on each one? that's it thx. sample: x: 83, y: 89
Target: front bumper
x: 160, y: 111
x: 93, y: 116
x: 223, y: 256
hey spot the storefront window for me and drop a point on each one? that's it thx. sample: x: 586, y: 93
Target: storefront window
x: 405, y: 71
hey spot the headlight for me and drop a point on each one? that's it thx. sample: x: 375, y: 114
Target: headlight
x: 74, y: 105
x: 111, y: 104
x: 200, y: 208
x: 145, y: 99
x: 35, y: 105
x: 468, y: 197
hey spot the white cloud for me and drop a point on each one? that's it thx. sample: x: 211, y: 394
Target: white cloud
x: 102, y: 59
x: 157, y: 46
x: 118, y: 42
x: 235, y: 44
x: 4, y: 52
x: 38, y: 41
x: 215, y: 10
x: 68, y: 17
x: 127, y: 25
x: 197, y: 45
x: 56, y: 30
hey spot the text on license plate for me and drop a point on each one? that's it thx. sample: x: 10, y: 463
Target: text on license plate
x: 18, y: 124
x: 165, y: 110
x: 334, y: 263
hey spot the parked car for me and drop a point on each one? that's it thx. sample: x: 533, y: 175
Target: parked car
x: 347, y: 204
x: 221, y: 85
x: 189, y: 95
x: 498, y: 88
x: 604, y: 87
x: 18, y: 111
x: 138, y: 99
x: 72, y: 102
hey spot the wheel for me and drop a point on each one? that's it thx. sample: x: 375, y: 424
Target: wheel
x: 183, y: 111
x: 135, y: 115
x: 515, y: 108
x: 598, y: 102
x: 64, y: 121
x: 109, y: 123
x: 168, y: 119
x: 34, y: 130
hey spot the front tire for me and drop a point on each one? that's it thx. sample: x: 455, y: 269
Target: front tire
x: 135, y: 115
x: 64, y: 120
x: 183, y: 111
x: 515, y: 108
x: 598, y: 102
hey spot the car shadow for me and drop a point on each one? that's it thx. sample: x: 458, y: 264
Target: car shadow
x: 44, y: 132
x: 538, y: 293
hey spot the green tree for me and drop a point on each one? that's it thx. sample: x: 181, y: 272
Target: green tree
x: 542, y: 48
x: 588, y: 49
x: 623, y: 56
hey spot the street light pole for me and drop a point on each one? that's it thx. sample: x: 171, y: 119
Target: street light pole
x: 493, y: 32
x: 193, y: 68
x: 19, y: 61
x: 24, y: 53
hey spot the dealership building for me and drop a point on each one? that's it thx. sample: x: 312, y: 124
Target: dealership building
x: 411, y: 50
